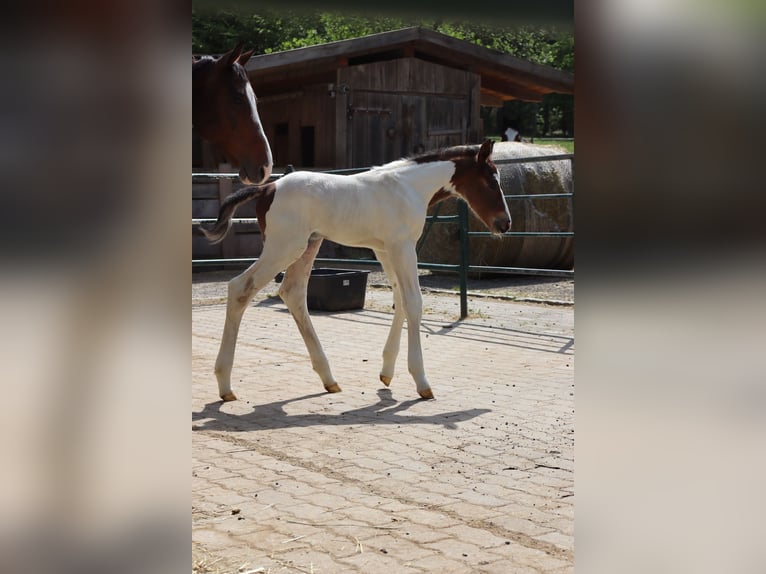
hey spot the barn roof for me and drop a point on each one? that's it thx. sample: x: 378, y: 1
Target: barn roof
x: 503, y: 77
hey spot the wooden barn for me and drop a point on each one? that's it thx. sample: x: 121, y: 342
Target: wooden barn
x: 367, y: 101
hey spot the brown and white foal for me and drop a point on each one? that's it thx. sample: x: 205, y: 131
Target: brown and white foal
x: 382, y: 209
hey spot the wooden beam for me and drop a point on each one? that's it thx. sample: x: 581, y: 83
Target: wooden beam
x: 491, y: 100
x: 294, y: 76
x: 342, y: 150
x: 475, y: 129
x: 332, y: 50
x: 509, y: 89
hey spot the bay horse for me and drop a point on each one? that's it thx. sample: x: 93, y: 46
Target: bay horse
x: 383, y: 209
x: 224, y: 112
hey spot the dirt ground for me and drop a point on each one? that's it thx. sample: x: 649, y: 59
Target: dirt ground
x: 210, y: 287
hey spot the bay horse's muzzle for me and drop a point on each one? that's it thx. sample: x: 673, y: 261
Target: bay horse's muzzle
x: 255, y: 176
x: 502, y: 224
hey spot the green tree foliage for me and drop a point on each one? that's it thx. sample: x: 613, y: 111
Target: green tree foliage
x: 270, y: 31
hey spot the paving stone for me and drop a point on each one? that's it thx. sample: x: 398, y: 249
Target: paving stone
x: 373, y: 479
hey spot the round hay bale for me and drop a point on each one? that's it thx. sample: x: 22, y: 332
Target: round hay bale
x: 550, y: 214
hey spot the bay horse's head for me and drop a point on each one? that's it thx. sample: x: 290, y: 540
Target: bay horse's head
x: 476, y: 180
x: 225, y: 114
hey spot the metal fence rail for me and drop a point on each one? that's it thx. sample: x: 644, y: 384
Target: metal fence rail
x: 462, y: 268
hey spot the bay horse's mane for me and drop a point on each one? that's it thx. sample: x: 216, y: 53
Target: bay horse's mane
x: 199, y: 62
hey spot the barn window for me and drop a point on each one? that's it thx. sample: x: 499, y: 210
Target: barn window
x: 197, y: 160
x: 307, y: 146
x: 281, y: 147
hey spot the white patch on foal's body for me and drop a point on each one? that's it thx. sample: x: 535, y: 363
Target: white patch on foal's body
x: 358, y: 210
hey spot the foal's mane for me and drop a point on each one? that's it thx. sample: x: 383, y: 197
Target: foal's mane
x: 443, y: 154
x: 446, y: 154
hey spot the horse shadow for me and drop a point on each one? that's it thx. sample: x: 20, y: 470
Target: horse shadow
x: 272, y: 416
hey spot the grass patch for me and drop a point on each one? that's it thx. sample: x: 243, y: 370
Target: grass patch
x: 566, y: 144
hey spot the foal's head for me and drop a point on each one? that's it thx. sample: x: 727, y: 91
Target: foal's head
x: 224, y: 113
x: 476, y: 180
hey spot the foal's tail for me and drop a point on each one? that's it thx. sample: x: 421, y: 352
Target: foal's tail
x: 217, y: 231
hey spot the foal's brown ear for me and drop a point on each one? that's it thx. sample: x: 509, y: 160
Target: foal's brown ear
x: 485, y: 151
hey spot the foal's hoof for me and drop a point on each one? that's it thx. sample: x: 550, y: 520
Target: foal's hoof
x: 385, y: 380
x: 229, y: 397
x: 426, y: 394
x: 334, y: 388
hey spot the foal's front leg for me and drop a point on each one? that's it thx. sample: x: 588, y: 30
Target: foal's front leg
x: 293, y: 293
x: 393, y: 342
x: 404, y: 261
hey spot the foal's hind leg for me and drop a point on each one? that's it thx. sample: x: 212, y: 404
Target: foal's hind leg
x: 293, y: 293
x: 242, y: 289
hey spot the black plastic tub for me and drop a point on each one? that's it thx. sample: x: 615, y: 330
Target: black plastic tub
x: 335, y: 289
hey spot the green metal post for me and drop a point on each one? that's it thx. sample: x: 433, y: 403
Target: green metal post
x: 462, y: 210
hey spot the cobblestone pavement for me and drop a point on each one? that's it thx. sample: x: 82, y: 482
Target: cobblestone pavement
x: 292, y: 479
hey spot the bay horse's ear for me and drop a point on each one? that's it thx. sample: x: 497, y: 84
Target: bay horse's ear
x: 230, y: 57
x: 485, y: 151
x: 243, y: 58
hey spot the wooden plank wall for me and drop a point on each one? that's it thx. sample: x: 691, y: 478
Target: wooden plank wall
x: 423, y: 106
x: 313, y: 106
x: 204, y: 205
x: 406, y: 105
x: 243, y: 240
